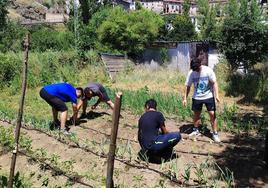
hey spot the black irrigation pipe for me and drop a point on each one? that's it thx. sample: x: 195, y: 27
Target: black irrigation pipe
x: 76, y: 179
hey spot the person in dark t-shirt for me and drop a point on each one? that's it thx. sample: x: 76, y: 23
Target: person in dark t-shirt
x: 149, y: 135
x: 95, y: 90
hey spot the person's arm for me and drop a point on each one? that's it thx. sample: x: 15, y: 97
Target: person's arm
x: 214, y: 83
x: 75, y: 113
x: 216, y: 91
x: 96, y: 104
x: 186, y: 93
x: 188, y: 84
x: 164, y: 129
x: 80, y: 104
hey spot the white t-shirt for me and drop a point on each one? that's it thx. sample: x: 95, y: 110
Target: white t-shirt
x: 202, y: 82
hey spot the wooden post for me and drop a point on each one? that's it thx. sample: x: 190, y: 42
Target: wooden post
x: 114, y: 130
x: 20, y: 112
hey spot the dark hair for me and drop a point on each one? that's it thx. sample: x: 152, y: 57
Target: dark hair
x: 80, y: 89
x: 87, y: 90
x: 195, y: 64
x: 151, y: 103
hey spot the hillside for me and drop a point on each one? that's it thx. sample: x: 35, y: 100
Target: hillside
x: 27, y: 10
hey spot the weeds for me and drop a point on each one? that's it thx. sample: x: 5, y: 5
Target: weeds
x: 187, y: 172
x: 227, y: 176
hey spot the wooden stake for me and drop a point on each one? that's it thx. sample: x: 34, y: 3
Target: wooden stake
x: 111, y: 155
x: 20, y: 112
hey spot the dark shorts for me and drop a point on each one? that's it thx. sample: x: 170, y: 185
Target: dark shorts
x: 105, y: 96
x: 53, y: 101
x: 198, y: 104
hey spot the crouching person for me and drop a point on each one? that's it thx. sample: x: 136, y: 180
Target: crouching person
x: 56, y: 95
x: 95, y: 90
x: 156, y: 145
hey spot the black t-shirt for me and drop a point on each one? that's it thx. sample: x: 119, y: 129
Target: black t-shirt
x: 149, y: 125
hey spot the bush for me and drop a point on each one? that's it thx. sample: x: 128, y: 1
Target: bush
x: 46, y: 38
x: 253, y: 86
x: 11, y: 37
x: 48, y: 67
x: 9, y: 69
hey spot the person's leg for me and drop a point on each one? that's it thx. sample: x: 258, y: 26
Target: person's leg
x: 111, y: 104
x: 196, y: 119
x: 55, y: 115
x: 63, y: 119
x: 166, y: 141
x: 213, y: 121
x: 197, y: 109
x: 84, y: 106
x: 211, y: 108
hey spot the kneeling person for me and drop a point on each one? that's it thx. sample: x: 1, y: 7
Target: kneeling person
x: 56, y: 95
x: 150, y: 123
x: 95, y: 90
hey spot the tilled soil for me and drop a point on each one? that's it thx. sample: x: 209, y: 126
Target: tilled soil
x: 242, y: 154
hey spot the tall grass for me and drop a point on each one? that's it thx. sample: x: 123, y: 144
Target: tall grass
x: 50, y: 67
x: 168, y: 103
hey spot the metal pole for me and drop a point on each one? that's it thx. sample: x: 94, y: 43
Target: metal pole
x: 114, y: 130
x: 20, y: 112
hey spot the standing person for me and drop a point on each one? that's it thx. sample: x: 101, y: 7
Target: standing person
x: 56, y: 95
x: 150, y: 139
x: 95, y: 90
x: 205, y: 92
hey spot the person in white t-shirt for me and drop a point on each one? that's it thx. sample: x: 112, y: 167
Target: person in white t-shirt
x: 205, y: 92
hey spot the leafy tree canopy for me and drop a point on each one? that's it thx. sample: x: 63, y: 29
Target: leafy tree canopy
x: 244, y: 39
x: 128, y: 32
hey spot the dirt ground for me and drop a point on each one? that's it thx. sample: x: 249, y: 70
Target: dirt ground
x: 242, y: 154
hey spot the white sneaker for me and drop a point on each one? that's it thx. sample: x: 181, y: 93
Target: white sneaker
x: 65, y: 132
x: 195, y: 132
x: 216, y: 137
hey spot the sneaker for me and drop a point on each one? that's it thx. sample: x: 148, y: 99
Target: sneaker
x: 216, y: 137
x: 65, y: 132
x: 195, y: 132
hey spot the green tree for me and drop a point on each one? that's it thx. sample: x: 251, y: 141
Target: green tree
x: 208, y: 24
x: 128, y: 32
x: 186, y: 7
x: 244, y: 39
x: 182, y: 29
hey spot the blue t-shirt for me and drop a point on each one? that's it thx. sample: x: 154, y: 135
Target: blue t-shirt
x: 149, y: 125
x: 64, y: 91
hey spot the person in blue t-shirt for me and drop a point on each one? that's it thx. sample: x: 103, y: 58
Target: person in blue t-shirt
x: 56, y: 95
x: 149, y: 135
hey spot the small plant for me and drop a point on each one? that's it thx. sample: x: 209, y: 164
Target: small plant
x: 200, y: 172
x: 18, y: 181
x: 227, y: 176
x: 187, y: 172
x: 138, y: 179
x: 45, y: 181
x: 67, y: 166
x: 162, y: 183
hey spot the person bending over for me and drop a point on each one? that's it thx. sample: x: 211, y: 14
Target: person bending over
x: 95, y: 90
x: 205, y: 92
x: 153, y: 135
x: 56, y: 95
